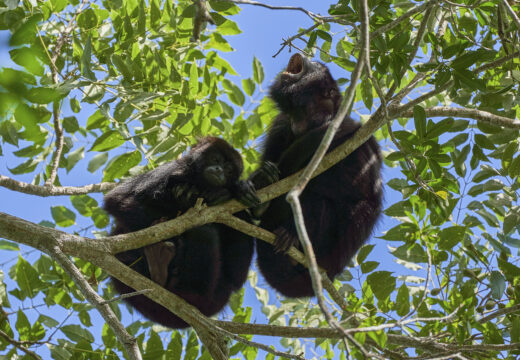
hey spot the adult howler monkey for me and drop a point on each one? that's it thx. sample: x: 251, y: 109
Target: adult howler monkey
x: 340, y: 206
x: 204, y: 265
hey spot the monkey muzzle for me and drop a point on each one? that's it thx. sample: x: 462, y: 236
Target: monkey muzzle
x: 215, y: 175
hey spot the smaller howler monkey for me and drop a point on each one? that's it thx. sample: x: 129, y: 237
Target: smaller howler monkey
x: 203, y: 265
x: 340, y: 206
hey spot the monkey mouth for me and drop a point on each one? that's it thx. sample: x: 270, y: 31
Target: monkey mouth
x: 295, y: 65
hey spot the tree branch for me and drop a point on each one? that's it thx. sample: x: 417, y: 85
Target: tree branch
x: 479, y: 115
x: 127, y: 340
x: 50, y: 190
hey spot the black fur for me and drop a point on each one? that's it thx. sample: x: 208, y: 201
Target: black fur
x: 203, y: 265
x: 340, y: 206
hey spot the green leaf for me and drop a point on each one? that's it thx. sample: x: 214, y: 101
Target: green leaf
x: 498, y: 284
x: 43, y: 95
x: 258, y: 71
x: 26, y: 33
x: 77, y: 333
x: 83, y: 204
x: 249, y: 86
x: 97, y: 121
x: 451, y: 236
x: 235, y: 94
x: 9, y: 246
x: 194, y: 79
x: 86, y: 60
x: 27, y: 58
x: 100, y: 218
x: 87, y: 19
x: 419, y: 116
x: 382, y: 284
x: 70, y: 124
x: 97, y: 161
x: 27, y: 278
x: 402, y: 301
x: 109, y: 140
x: 73, y: 158
x: 120, y: 165
x: 62, y: 216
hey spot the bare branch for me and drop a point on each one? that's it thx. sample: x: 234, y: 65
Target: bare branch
x: 49, y: 190
x: 500, y: 312
x: 273, y: 7
x: 56, y: 106
x: 19, y: 345
x: 479, y: 115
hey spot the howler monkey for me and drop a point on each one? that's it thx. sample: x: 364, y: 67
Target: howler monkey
x: 203, y: 265
x: 340, y: 206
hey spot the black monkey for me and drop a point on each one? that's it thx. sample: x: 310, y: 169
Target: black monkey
x: 340, y: 206
x: 203, y: 265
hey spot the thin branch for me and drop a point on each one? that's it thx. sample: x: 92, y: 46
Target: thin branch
x: 512, y: 13
x: 288, y: 41
x: 49, y: 190
x: 56, y: 106
x: 295, y: 192
x: 475, y: 114
x: 500, y: 312
x: 19, y: 345
x: 125, y: 296
x: 310, y: 14
x: 416, y: 9
x: 127, y: 340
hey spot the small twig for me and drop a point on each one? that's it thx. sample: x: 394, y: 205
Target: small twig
x: 125, y: 296
x: 19, y: 345
x: 310, y: 14
x: 288, y: 41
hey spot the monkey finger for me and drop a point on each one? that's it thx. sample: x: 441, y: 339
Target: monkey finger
x: 271, y: 171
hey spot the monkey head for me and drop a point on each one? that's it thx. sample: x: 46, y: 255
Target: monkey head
x: 215, y: 163
x: 307, y: 93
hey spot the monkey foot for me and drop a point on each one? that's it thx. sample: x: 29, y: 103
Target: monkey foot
x: 159, y: 256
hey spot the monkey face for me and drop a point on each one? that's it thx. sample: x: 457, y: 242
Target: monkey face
x: 306, y: 91
x: 217, y: 171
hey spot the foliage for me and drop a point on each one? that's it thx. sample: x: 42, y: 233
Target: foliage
x: 130, y: 90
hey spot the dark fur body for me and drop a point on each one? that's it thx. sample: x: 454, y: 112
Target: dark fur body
x: 340, y: 206
x: 210, y: 261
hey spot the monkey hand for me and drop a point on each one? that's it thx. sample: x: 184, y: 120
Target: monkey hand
x: 245, y: 193
x: 284, y: 240
x: 266, y: 174
x: 186, y: 195
x: 159, y: 256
